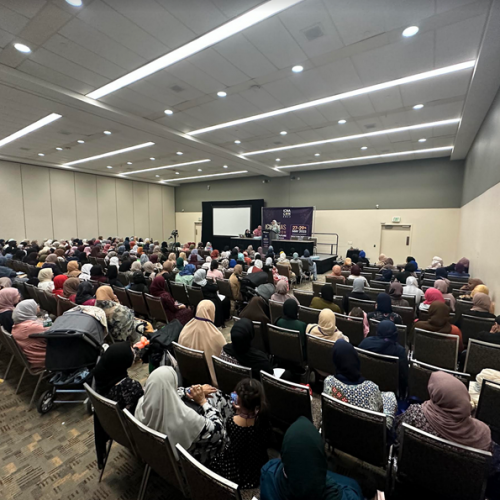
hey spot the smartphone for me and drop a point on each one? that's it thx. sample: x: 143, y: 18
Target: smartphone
x: 234, y: 398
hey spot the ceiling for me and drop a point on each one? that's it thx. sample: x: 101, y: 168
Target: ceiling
x: 343, y: 45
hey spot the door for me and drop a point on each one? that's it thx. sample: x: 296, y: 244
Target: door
x: 396, y: 242
x: 197, y: 232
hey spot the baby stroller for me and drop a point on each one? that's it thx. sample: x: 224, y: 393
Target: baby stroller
x: 256, y: 284
x: 74, y: 343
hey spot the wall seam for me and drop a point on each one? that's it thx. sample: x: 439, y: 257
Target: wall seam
x: 22, y: 195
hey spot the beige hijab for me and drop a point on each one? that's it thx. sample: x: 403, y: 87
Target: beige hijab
x: 45, y: 275
x: 106, y: 293
x: 326, y: 328
x: 201, y: 334
x: 73, y: 269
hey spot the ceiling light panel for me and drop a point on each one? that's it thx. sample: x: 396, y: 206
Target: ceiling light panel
x: 176, y: 165
x: 111, y: 153
x: 30, y: 128
x: 206, y: 176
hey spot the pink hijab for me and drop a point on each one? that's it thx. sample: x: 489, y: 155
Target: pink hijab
x: 433, y: 294
x: 448, y: 413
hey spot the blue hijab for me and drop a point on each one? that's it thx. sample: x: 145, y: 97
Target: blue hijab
x: 384, y: 304
x: 188, y: 270
x: 362, y: 254
x: 232, y: 263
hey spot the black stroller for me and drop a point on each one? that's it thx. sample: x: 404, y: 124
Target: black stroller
x: 74, y: 343
x: 256, y: 284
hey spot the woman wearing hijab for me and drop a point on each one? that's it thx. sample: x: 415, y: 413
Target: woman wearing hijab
x: 58, y: 284
x: 346, y: 266
x: 481, y: 305
x: 210, y: 292
x: 173, y: 309
x: 73, y: 269
x: 214, y: 272
x: 256, y: 268
x: 436, y: 262
x: 290, y: 320
x: 459, y: 272
x: 5, y: 283
x: 149, y: 270
x: 234, y: 281
x: 201, y: 333
x: 186, y: 275
x: 281, y: 293
x: 386, y: 342
x: 381, y: 260
x: 168, y: 270
x: 45, y: 279
x: 85, y: 294
x: 439, y: 321
x: 326, y: 300
x: 326, y: 327
x: 358, y: 292
x: 162, y: 409
x: 356, y: 273
x: 383, y: 310
x: 396, y: 294
x: 85, y: 274
x: 139, y: 283
x: 9, y: 297
x: 386, y: 275
x: 337, y: 274
x: 51, y: 262
x: 464, y: 262
x: 26, y: 324
x: 113, y: 277
x: 241, y: 352
x: 431, y: 295
x: 442, y: 286
x: 348, y: 385
x: 70, y: 288
x: 312, y: 264
x: 412, y: 288
x: 257, y: 309
x: 302, y: 472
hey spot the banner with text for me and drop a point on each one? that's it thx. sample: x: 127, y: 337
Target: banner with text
x: 292, y: 221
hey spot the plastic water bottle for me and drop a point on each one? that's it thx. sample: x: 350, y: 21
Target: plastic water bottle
x: 47, y: 322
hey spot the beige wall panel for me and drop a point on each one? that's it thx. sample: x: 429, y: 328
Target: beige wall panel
x: 169, y: 219
x: 11, y: 197
x: 106, y: 206
x: 185, y: 224
x: 86, y: 205
x: 141, y: 210
x: 155, y: 212
x: 37, y: 204
x: 125, y: 207
x: 62, y: 189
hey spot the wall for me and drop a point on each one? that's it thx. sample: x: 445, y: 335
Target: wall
x: 40, y: 203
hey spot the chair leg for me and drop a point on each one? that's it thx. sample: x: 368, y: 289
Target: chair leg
x: 20, y: 380
x: 144, y: 482
x: 36, y: 390
x: 106, y: 459
x: 8, y: 367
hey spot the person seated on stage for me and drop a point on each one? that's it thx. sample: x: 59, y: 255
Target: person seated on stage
x: 258, y: 231
x: 248, y: 233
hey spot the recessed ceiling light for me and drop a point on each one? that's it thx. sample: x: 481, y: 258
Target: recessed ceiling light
x: 22, y: 48
x: 225, y: 166
x: 418, y: 106
x: 230, y: 28
x: 157, y: 175
x: 422, y: 140
x: 80, y: 141
x: 298, y: 69
x: 337, y: 97
x: 237, y: 141
x: 358, y: 136
x: 59, y: 149
x: 210, y: 175
x: 75, y: 3
x: 342, y: 122
x: 364, y: 147
x: 129, y: 163
x: 200, y: 170
x: 109, y: 166
x: 180, y: 153
x: 410, y: 31
x: 317, y: 154
x: 177, y: 165
x: 177, y: 173
x: 369, y: 157
x: 111, y: 153
x: 168, y: 112
x: 107, y: 132
x: 283, y: 132
x: 30, y: 128
x: 222, y: 93
x: 41, y: 154
x: 152, y: 159
x: 278, y: 159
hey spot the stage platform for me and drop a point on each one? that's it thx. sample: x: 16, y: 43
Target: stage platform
x: 324, y: 263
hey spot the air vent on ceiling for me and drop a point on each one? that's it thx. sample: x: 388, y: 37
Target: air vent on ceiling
x: 25, y: 149
x: 176, y: 88
x: 370, y: 125
x: 277, y: 142
x: 64, y: 132
x: 313, y: 32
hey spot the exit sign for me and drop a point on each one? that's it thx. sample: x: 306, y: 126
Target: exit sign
x: 396, y: 219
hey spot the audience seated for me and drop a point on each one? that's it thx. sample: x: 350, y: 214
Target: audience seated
x: 337, y: 273
x: 234, y: 281
x: 312, y: 264
x: 186, y: 274
x: 45, y: 280
x: 290, y: 321
x: 173, y: 309
x: 257, y: 309
x: 9, y: 297
x: 442, y: 285
x: 73, y: 269
x: 214, y: 272
x: 383, y: 310
x: 459, y: 272
x: 395, y: 293
x: 326, y: 327
x: 138, y: 283
x: 85, y: 294
x: 281, y: 294
x: 96, y: 274
x: 358, y: 292
x: 59, y: 284
x: 70, y: 288
x: 326, y: 300
x: 210, y: 292
x: 431, y: 295
x: 346, y: 266
x: 86, y: 270
x: 493, y: 336
x: 356, y: 273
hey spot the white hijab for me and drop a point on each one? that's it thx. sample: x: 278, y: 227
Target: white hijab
x: 411, y: 288
x: 162, y: 409
x: 436, y: 262
x: 85, y: 274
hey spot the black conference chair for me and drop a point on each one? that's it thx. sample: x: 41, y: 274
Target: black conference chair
x: 481, y: 355
x: 381, y: 369
x: 319, y: 354
x: 309, y: 315
x: 193, y: 365
x: 228, y: 375
x: 438, y: 349
x: 351, y: 327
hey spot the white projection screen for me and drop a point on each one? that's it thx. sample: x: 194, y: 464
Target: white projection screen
x: 231, y: 221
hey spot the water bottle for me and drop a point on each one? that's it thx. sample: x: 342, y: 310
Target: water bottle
x: 47, y: 322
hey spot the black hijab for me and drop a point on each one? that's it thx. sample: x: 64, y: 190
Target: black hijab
x: 125, y: 266
x: 290, y: 309
x: 327, y: 293
x: 85, y: 292
x: 113, y: 366
x: 384, y: 303
x: 346, y: 361
x: 96, y: 271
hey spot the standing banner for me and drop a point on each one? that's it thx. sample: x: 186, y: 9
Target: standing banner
x: 292, y: 221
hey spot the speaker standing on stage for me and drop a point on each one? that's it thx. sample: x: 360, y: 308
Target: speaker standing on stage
x: 274, y: 231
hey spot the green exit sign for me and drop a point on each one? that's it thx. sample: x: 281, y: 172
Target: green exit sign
x: 396, y: 219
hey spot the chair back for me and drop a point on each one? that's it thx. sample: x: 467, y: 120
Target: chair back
x: 31, y: 291
x: 488, y: 405
x: 286, y: 401
x: 352, y: 327
x: 432, y: 467
x: 123, y: 278
x: 308, y: 315
x: 111, y: 418
x: 121, y: 294
x: 203, y: 484
x: 179, y: 293
x: 51, y: 303
x: 481, y: 355
x: 418, y: 378
x: 304, y: 298
x: 381, y: 285
x: 411, y: 299
x: 305, y: 265
x: 343, y: 290
x: 407, y: 314
x: 155, y: 450
x: 319, y: 354
x: 373, y: 293
x: 193, y: 365
x: 472, y: 325
x: 138, y: 303
x: 283, y: 271
x: 438, y: 349
x: 358, y: 432
x: 195, y: 295
x: 381, y: 369
x: 367, y: 305
x: 276, y: 310
x: 285, y: 344
x: 317, y: 285
x: 228, y: 375
x: 101, y: 262
x: 225, y: 289
x: 334, y: 281
x: 338, y: 299
x: 63, y: 305
x: 155, y: 307
x: 296, y: 269
x: 19, y: 354
x: 462, y: 306
x: 41, y: 299
x: 259, y: 341
x: 402, y: 331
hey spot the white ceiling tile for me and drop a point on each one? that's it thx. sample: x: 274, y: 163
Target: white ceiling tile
x: 5, y: 38
x: 142, y: 104
x: 340, y: 76
x: 50, y: 19
x: 27, y: 8
x: 187, y: 72
x: 311, y: 84
x: 386, y: 100
x: 11, y: 21
x: 234, y: 8
x: 444, y: 5
x: 358, y: 106
x: 164, y: 80
x: 261, y: 98
x: 285, y: 92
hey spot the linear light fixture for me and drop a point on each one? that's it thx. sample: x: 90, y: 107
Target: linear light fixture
x: 370, y: 157
x: 205, y: 176
x: 228, y: 29
x: 111, y: 153
x: 166, y: 166
x: 30, y: 128
x: 352, y: 93
x: 358, y: 136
